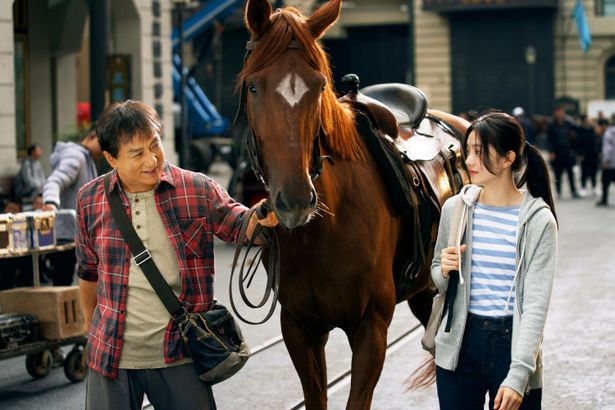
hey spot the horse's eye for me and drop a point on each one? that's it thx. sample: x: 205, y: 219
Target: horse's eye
x: 323, y: 87
x: 252, y: 88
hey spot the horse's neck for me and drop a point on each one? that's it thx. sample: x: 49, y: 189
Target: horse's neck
x: 345, y: 181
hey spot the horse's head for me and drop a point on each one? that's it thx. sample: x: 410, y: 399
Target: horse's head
x: 289, y: 102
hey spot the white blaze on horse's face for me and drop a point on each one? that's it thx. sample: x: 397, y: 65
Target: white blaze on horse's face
x: 292, y: 88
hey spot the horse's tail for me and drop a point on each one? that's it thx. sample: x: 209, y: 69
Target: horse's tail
x: 423, y: 376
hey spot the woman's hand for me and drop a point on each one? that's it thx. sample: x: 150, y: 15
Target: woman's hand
x: 449, y: 259
x: 507, y: 399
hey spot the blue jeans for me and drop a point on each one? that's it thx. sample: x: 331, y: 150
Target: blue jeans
x: 484, y: 362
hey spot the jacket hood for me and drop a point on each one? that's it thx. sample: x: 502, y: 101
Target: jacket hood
x: 62, y: 148
x: 529, y: 207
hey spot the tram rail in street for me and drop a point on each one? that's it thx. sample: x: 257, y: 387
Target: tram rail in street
x: 338, y: 380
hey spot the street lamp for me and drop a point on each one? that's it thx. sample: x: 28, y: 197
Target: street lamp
x: 184, y: 138
x: 530, y: 59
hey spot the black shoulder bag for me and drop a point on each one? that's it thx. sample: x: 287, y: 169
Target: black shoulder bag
x: 212, y: 339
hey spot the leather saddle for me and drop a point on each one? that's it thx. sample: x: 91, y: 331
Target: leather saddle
x: 399, y: 111
x: 420, y: 158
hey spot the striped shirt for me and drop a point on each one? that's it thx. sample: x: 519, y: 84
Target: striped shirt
x: 494, y: 260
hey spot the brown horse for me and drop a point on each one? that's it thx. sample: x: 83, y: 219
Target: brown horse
x: 340, y: 237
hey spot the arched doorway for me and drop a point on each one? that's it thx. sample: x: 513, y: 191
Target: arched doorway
x: 609, y: 78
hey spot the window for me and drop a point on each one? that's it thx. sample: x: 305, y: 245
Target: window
x: 609, y: 79
x: 21, y: 93
x: 20, y: 32
x: 605, y: 7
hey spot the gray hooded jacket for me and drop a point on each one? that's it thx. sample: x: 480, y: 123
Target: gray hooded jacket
x: 536, y: 260
x: 73, y: 167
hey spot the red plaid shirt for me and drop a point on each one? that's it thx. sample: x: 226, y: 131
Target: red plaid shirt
x: 193, y: 208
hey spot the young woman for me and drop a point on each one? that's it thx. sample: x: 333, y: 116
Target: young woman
x: 505, y: 254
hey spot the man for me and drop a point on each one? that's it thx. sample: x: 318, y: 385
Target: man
x: 31, y: 177
x: 526, y: 124
x: 607, y: 164
x: 133, y: 345
x: 587, y: 148
x: 73, y: 166
x: 562, y: 157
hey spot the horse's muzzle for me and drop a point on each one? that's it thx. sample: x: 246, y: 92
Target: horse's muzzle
x: 292, y: 211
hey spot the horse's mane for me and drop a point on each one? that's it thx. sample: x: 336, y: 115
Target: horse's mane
x: 337, y: 119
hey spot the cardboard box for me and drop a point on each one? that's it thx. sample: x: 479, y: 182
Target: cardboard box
x: 57, y: 309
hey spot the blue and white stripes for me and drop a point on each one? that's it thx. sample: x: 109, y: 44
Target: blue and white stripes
x: 494, y: 260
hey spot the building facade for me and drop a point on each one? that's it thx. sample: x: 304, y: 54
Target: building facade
x: 44, y: 68
x: 508, y: 53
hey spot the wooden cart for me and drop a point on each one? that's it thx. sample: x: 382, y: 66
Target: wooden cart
x: 39, y: 358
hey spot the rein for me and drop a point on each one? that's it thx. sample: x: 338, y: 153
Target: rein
x: 246, y: 276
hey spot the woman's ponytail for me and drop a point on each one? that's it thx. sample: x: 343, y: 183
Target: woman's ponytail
x: 536, y: 176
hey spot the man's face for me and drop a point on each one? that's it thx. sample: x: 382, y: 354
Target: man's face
x: 37, y: 203
x: 37, y: 152
x: 559, y: 114
x: 92, y: 144
x: 139, y: 163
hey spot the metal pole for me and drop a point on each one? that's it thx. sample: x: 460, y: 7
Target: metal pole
x: 530, y: 59
x: 532, y: 87
x: 185, y: 138
x: 410, y: 77
x: 99, y: 17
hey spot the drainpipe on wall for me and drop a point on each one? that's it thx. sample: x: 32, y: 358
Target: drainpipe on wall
x: 410, y: 78
x: 99, y: 18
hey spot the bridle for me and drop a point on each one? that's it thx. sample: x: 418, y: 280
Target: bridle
x: 253, y: 149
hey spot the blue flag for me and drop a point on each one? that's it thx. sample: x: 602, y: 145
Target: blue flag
x: 585, y: 37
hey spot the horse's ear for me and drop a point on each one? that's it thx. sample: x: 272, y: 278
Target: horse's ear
x: 324, y: 17
x: 257, y: 16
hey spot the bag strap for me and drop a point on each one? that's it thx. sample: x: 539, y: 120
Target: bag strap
x: 141, y: 255
x: 454, y: 276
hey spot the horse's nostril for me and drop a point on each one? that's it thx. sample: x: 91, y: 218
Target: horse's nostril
x: 313, y: 197
x: 280, y: 204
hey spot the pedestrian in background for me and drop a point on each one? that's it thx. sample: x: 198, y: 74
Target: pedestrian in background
x: 527, y: 124
x: 30, y: 179
x: 607, y: 159
x: 73, y: 166
x: 560, y: 135
x: 506, y: 257
x: 134, y: 346
x: 587, y: 148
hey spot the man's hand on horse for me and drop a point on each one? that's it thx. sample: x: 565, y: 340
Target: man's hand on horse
x: 449, y: 259
x: 270, y: 220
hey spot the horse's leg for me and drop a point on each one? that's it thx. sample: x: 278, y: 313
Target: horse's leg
x: 368, y: 345
x: 420, y: 304
x: 307, y: 351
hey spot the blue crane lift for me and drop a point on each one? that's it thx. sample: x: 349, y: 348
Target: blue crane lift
x: 204, y: 120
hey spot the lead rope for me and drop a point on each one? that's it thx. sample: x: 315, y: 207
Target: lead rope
x: 270, y: 238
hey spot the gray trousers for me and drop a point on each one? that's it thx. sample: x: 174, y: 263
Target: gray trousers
x: 169, y: 388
